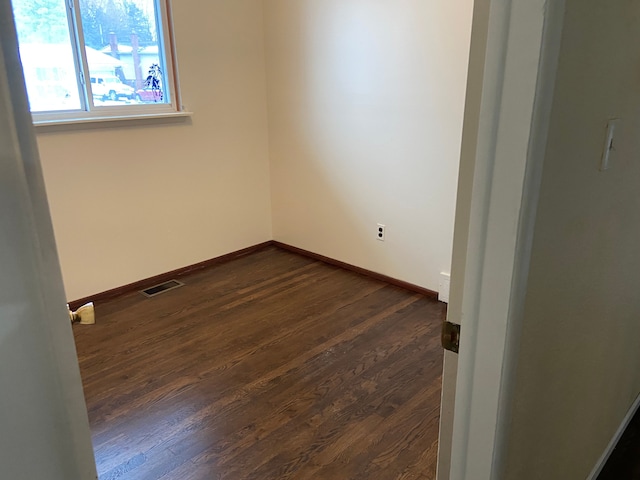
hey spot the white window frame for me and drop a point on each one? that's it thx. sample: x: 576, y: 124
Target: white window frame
x: 89, y: 112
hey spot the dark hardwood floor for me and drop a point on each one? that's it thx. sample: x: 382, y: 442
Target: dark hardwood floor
x: 271, y: 366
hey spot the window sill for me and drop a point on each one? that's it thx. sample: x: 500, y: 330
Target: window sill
x: 112, y: 120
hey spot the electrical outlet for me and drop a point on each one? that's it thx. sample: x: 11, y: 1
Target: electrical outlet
x: 380, y: 232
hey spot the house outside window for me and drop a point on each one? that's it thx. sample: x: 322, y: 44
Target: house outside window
x: 84, y: 59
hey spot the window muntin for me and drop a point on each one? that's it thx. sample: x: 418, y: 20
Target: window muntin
x: 124, y: 57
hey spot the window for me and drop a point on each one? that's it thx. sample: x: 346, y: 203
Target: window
x: 86, y: 59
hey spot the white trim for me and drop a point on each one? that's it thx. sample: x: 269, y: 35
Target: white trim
x: 614, y: 441
x: 175, y: 81
x: 43, y: 124
x: 167, y: 43
x: 59, y: 449
x: 444, y: 287
x: 80, y: 56
x: 548, y: 65
x: 89, y: 112
x: 509, y: 128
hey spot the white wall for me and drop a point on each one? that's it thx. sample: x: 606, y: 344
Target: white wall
x: 365, y: 113
x: 135, y: 201
x: 365, y: 118
x: 577, y: 372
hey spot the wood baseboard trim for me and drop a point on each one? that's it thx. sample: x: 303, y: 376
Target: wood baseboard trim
x: 180, y: 272
x: 163, y: 277
x: 597, y: 469
x: 363, y: 271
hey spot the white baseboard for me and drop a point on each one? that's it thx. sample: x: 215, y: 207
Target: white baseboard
x: 614, y: 441
x: 443, y: 287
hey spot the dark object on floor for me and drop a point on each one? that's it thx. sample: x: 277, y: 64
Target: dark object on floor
x: 624, y: 462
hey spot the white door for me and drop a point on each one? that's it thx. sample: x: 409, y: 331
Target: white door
x: 513, y: 60
x: 44, y: 431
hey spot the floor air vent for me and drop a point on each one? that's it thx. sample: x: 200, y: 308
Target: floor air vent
x: 161, y: 288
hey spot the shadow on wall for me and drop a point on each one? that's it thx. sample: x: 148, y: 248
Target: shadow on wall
x: 366, y: 106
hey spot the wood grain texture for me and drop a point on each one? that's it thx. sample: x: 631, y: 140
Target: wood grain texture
x: 164, y: 277
x: 270, y: 366
x: 369, y: 273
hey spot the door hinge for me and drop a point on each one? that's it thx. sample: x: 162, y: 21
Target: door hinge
x: 82, y: 79
x: 450, y: 337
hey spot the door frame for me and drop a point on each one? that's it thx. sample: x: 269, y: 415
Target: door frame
x: 515, y: 45
x: 48, y: 434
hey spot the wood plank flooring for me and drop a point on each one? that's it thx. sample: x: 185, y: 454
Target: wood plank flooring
x: 271, y: 366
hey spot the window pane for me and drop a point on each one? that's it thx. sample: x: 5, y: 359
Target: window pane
x: 122, y: 40
x: 47, y: 55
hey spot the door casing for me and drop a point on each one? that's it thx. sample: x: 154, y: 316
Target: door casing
x: 512, y: 69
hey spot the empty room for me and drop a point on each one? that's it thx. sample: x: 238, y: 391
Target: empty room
x: 318, y: 239
x: 295, y: 171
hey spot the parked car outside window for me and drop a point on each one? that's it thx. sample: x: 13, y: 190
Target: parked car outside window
x: 110, y: 88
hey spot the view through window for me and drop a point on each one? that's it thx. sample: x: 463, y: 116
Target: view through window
x: 122, y: 63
